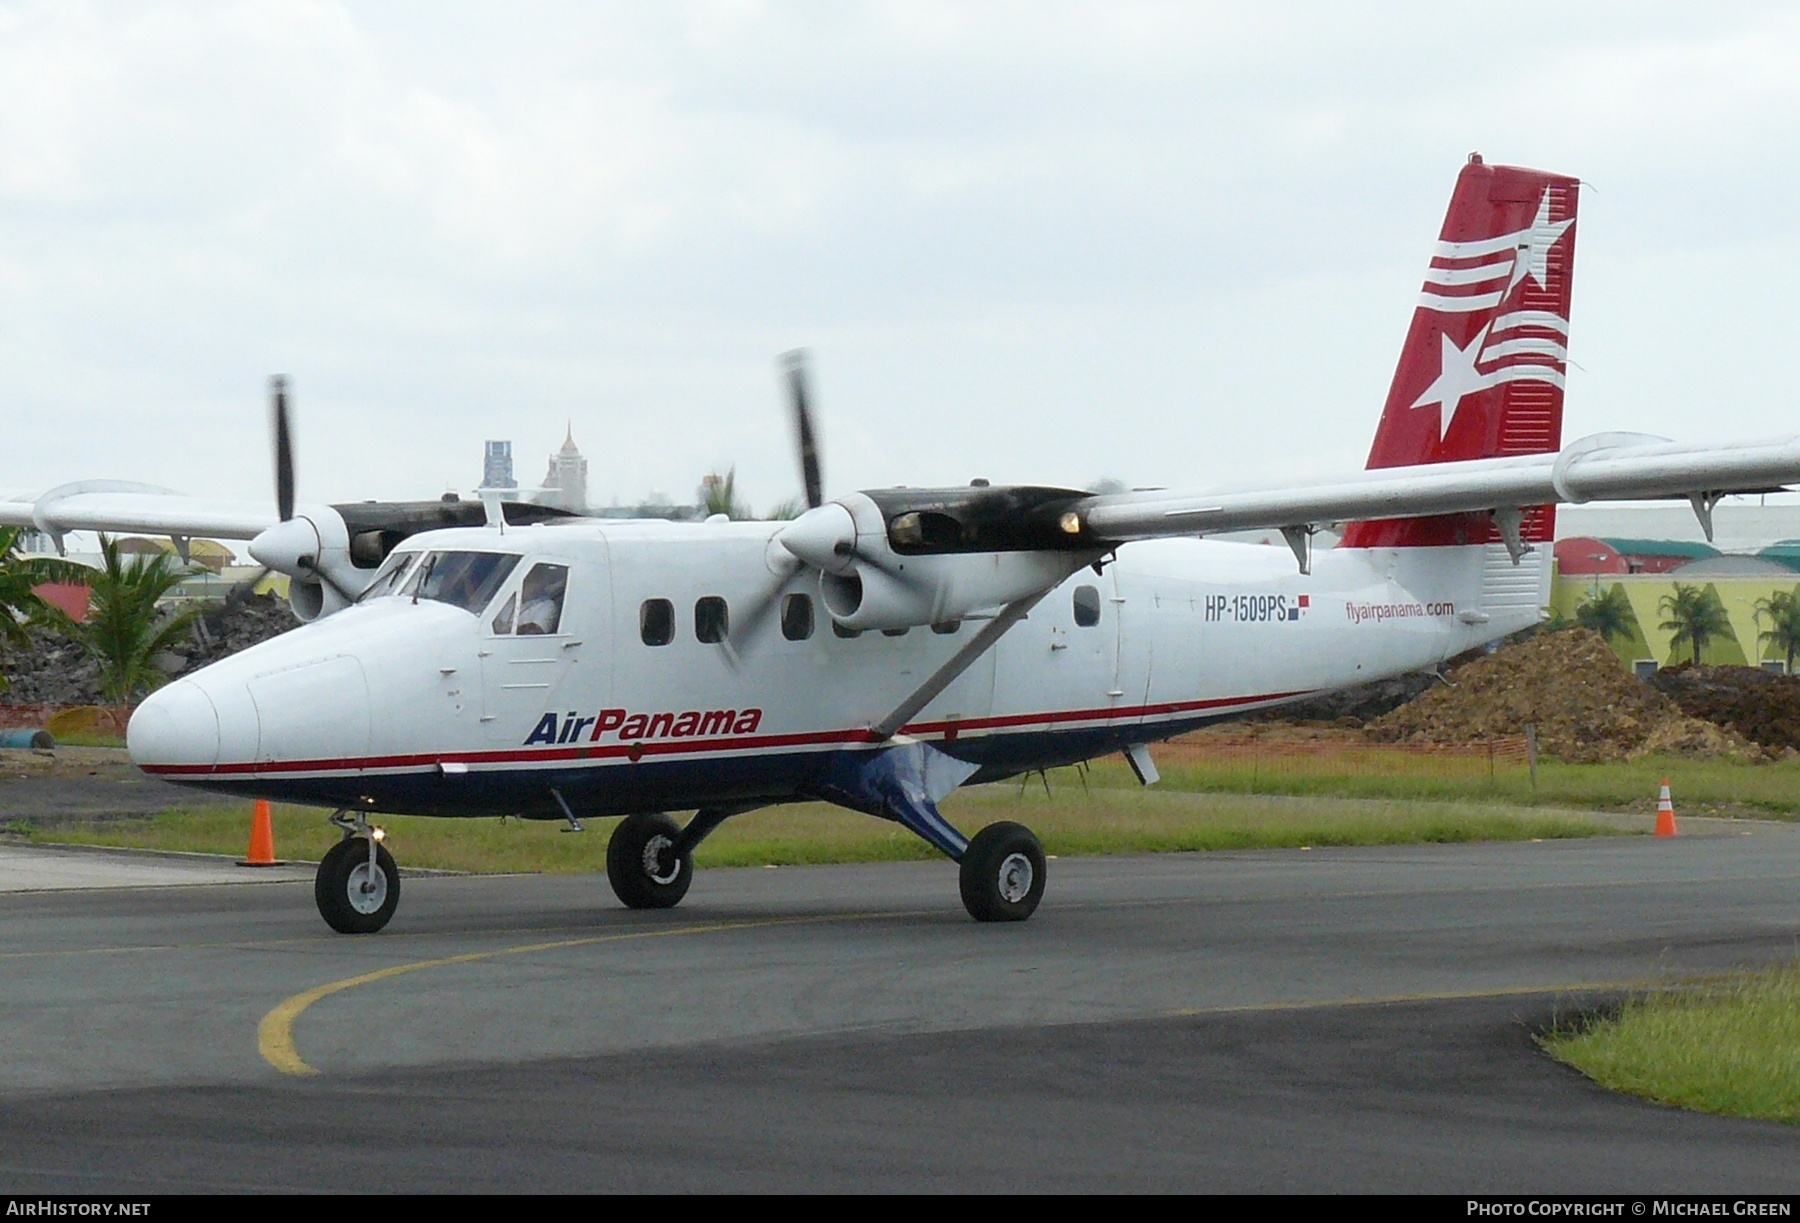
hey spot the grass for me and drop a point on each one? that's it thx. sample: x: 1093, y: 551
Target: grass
x: 90, y: 739
x: 1070, y: 821
x: 1280, y: 794
x: 1730, y: 1047
x: 1700, y: 787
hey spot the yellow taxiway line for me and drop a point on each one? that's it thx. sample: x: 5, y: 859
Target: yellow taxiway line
x: 275, y: 1034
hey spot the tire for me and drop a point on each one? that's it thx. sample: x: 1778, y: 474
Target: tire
x: 347, y: 900
x: 1003, y: 873
x: 643, y: 871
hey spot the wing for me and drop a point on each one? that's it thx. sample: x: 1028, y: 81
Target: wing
x: 118, y: 505
x: 1605, y: 467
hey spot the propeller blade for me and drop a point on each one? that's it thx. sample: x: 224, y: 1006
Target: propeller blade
x: 244, y: 589
x: 284, y: 448
x: 751, y: 622
x: 795, y: 364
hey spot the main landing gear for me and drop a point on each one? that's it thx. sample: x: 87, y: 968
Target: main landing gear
x: 1002, y: 873
x: 357, y: 888
x: 644, y: 865
x: 650, y: 863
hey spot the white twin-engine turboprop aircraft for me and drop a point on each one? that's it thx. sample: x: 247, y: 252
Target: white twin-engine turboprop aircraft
x: 888, y: 646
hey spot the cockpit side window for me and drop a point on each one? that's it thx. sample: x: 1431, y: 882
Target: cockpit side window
x: 462, y: 579
x: 503, y: 623
x: 541, y: 599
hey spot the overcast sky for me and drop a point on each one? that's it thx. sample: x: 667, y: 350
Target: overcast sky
x: 1176, y: 244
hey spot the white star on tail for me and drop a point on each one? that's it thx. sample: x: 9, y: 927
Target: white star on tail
x: 1456, y: 377
x: 1532, y: 255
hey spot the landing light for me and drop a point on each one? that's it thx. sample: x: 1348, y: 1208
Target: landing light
x: 1070, y: 523
x: 380, y: 834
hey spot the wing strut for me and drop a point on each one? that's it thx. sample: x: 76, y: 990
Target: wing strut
x: 959, y: 662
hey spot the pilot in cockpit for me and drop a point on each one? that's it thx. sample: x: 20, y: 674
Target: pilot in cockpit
x: 542, y: 599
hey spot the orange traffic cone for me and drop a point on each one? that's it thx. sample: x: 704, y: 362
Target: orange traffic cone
x: 262, y: 838
x: 1665, y: 813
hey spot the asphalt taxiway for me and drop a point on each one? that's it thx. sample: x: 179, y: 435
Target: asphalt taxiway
x: 1311, y: 1020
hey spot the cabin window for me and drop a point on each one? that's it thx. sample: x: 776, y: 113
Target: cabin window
x: 712, y: 620
x: 796, y: 618
x: 541, y: 599
x: 1087, y: 606
x: 846, y: 633
x: 896, y: 632
x: 656, y: 622
x: 503, y: 623
x: 462, y: 579
x: 946, y: 628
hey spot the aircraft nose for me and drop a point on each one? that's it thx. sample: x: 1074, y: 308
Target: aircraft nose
x: 176, y: 725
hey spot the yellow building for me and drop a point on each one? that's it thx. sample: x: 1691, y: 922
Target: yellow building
x: 1652, y: 646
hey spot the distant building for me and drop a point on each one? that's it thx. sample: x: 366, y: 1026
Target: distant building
x: 565, y: 483
x: 1584, y: 555
x: 35, y: 543
x: 1787, y: 552
x: 1741, y: 524
x: 1732, y: 567
x: 1649, y: 645
x: 497, y: 467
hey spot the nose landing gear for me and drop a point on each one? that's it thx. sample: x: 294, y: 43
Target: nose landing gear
x: 357, y: 887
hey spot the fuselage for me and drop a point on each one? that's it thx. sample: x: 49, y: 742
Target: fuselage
x: 456, y: 688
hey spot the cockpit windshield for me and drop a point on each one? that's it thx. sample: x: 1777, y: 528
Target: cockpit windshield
x: 462, y: 579
x: 387, y: 582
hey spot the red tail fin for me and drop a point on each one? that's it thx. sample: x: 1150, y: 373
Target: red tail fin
x: 1482, y: 371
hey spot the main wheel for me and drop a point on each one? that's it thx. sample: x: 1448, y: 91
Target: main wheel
x: 1003, y: 873
x: 351, y: 898
x: 641, y: 863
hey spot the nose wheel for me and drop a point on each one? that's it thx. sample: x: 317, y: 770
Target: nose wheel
x: 358, y: 887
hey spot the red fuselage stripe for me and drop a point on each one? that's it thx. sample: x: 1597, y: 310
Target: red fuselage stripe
x: 672, y: 747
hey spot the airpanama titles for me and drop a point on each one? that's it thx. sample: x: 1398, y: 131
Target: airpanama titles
x: 629, y: 727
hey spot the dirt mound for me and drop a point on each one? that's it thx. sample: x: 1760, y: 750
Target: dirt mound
x: 237, y: 625
x: 1570, y: 686
x: 52, y: 670
x: 1759, y: 705
x: 1353, y: 706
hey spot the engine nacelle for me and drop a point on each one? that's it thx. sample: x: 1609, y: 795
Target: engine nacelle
x: 310, y: 547
x: 872, y: 586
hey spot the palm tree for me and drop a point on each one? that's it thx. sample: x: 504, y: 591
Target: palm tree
x: 19, y: 576
x: 718, y: 495
x: 1609, y: 614
x: 124, y: 630
x: 1783, y: 612
x: 1695, y: 614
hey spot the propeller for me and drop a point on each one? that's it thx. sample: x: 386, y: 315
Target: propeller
x: 824, y: 537
x: 292, y: 545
